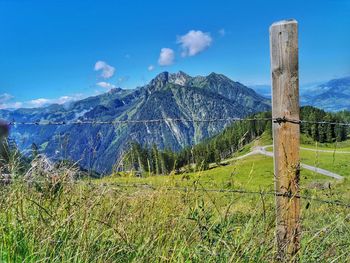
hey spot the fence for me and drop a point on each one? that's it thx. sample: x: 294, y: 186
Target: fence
x: 281, y: 195
x: 286, y: 136
x: 116, y: 122
x: 186, y: 189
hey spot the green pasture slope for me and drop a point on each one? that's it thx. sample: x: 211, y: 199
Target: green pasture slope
x: 329, y: 157
x: 174, y: 218
x: 255, y: 173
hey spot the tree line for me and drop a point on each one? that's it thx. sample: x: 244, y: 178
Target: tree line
x: 324, y: 132
x: 151, y: 159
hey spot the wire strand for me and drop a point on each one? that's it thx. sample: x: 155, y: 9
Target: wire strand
x: 92, y: 122
x: 186, y: 189
x: 278, y: 120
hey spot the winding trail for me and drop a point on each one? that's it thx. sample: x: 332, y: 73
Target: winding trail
x: 262, y: 150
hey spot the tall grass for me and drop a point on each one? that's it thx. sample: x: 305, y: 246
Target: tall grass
x: 82, y: 222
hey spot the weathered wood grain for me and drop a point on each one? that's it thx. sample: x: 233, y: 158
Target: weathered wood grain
x: 286, y: 136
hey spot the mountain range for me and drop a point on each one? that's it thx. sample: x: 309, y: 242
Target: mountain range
x: 172, y: 96
x: 333, y: 95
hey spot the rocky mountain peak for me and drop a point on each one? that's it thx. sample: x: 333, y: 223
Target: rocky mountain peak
x: 179, y: 78
x: 160, y: 80
x: 114, y: 90
x: 217, y: 77
x: 202, y: 96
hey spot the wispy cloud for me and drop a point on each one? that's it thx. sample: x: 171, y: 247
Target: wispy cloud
x: 36, y: 103
x: 107, y: 71
x: 105, y: 85
x: 6, y: 101
x: 5, y: 97
x: 13, y: 105
x: 194, y: 42
x: 39, y: 102
x: 150, y: 68
x: 166, y: 57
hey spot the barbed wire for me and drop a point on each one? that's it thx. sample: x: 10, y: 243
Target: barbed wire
x: 235, y: 119
x: 186, y: 189
x: 240, y: 191
x: 92, y: 122
x: 295, y: 121
x: 184, y: 120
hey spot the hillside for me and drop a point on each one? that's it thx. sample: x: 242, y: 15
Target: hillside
x: 231, y: 140
x: 166, y: 96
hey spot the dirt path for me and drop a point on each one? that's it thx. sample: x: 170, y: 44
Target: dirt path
x: 262, y: 150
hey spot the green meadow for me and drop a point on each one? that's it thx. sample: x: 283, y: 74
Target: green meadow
x: 175, y: 218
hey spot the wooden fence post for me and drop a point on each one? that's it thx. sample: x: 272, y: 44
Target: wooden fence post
x: 286, y: 136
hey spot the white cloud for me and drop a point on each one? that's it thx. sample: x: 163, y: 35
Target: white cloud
x: 41, y: 102
x: 150, y: 68
x: 15, y: 105
x: 105, y: 85
x: 44, y: 102
x: 107, y: 70
x: 11, y: 105
x: 194, y: 42
x: 166, y: 57
x: 5, y: 102
x: 5, y: 97
x: 222, y: 32
x: 65, y: 99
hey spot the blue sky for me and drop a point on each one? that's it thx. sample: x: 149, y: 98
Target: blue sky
x: 54, y: 51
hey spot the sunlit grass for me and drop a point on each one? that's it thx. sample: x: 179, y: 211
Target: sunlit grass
x: 341, y: 146
x: 108, y: 223
x: 334, y: 161
x: 173, y: 218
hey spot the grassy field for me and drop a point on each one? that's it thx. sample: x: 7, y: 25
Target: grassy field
x: 341, y: 146
x: 335, y: 161
x: 170, y: 218
x: 252, y: 173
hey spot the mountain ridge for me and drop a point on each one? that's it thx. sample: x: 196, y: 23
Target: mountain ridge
x: 167, y: 96
x: 332, y: 95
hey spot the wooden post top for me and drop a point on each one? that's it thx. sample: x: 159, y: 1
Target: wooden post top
x: 284, y: 22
